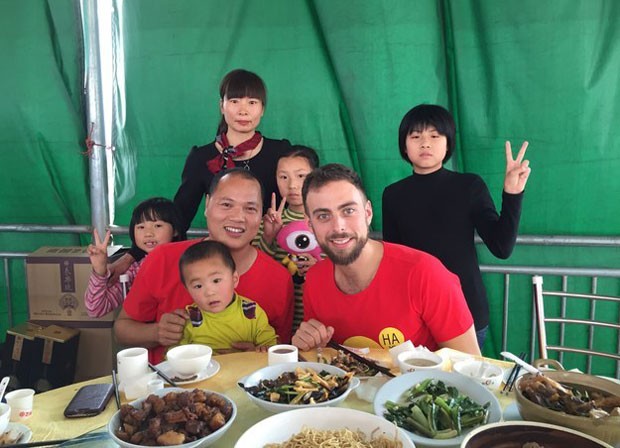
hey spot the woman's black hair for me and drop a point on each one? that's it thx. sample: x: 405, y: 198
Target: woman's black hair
x: 240, y: 83
x: 421, y: 117
x: 205, y: 250
x: 305, y: 152
x: 155, y: 209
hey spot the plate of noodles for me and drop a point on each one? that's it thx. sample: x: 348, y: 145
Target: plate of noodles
x: 309, y: 427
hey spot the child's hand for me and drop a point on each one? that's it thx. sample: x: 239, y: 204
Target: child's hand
x: 272, y: 221
x: 304, y: 265
x: 261, y: 349
x: 517, y: 170
x: 98, y: 253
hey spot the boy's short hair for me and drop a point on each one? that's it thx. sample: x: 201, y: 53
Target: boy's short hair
x: 206, y: 250
x: 421, y: 117
x: 305, y: 152
x: 156, y: 209
x: 236, y: 171
x: 332, y: 172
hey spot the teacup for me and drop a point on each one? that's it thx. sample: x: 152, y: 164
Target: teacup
x: 489, y: 375
x: 278, y: 354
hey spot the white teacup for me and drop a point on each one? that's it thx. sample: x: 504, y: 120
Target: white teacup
x: 489, y: 375
x: 132, y: 363
x: 20, y: 402
x: 419, y: 360
x: 278, y: 354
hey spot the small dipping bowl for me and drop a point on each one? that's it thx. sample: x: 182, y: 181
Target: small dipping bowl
x: 414, y: 360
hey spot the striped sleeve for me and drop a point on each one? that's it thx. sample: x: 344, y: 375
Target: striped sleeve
x: 101, y: 298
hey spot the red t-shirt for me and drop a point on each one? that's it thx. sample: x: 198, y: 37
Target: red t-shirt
x: 157, y: 289
x: 412, y: 297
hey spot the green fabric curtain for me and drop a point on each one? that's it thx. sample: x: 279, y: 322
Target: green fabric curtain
x: 44, y: 175
x: 340, y: 76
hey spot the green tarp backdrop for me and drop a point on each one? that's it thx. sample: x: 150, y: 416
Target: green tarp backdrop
x: 340, y: 75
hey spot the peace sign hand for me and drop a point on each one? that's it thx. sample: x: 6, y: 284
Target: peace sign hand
x: 98, y: 253
x: 272, y: 221
x: 517, y: 170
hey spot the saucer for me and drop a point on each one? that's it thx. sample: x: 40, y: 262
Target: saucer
x: 205, y: 373
x: 26, y: 432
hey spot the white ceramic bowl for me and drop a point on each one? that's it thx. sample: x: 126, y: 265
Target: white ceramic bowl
x: 394, y: 389
x: 516, y: 434
x: 413, y: 360
x: 272, y: 372
x: 189, y: 359
x: 280, y: 427
x: 203, y: 442
x: 489, y: 375
x: 5, y: 414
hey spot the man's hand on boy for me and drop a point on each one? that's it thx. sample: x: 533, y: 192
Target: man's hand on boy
x: 517, y: 170
x: 170, y: 327
x: 98, y: 253
x: 272, y: 221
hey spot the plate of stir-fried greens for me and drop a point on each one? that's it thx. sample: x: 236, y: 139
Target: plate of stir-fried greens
x: 436, y: 408
x: 287, y: 386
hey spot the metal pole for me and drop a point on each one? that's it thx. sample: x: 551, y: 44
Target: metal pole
x: 95, y: 117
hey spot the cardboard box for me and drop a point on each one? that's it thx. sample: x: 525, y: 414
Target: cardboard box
x: 56, y: 349
x: 57, y: 280
x: 96, y: 353
x: 19, y: 354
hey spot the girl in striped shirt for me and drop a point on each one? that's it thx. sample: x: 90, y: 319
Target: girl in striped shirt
x: 153, y: 222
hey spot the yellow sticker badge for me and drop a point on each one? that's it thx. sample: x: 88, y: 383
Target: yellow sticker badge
x: 391, y: 337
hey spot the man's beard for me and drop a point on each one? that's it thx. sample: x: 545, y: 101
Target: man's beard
x: 345, y: 259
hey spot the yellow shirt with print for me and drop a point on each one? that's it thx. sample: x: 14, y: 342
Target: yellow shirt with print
x: 242, y: 321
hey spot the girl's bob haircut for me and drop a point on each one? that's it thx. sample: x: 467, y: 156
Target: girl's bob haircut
x: 422, y: 117
x: 156, y: 209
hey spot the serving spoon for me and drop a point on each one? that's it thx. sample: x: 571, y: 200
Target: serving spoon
x: 3, y: 384
x: 527, y: 366
x: 530, y: 368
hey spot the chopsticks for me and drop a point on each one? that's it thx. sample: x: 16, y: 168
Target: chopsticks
x: 361, y: 359
x: 162, y: 375
x: 80, y: 440
x: 35, y: 444
x: 116, y: 395
x: 512, y: 377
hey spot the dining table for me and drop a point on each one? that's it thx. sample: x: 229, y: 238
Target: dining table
x: 48, y: 423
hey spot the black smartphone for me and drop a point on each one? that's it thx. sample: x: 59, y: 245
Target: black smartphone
x: 89, y: 400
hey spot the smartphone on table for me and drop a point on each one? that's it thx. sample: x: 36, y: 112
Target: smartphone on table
x: 89, y: 400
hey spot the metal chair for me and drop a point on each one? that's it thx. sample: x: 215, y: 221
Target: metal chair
x: 591, y: 323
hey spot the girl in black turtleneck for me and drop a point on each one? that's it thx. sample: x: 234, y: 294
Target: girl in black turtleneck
x: 437, y: 210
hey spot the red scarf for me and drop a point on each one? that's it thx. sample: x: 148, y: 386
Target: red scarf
x: 224, y: 160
